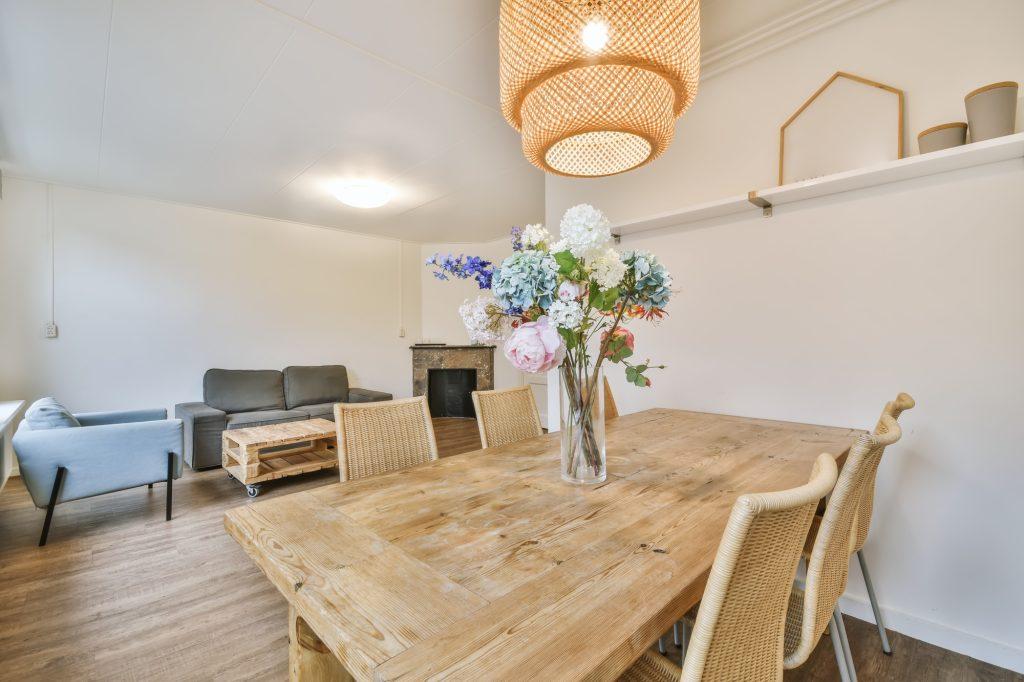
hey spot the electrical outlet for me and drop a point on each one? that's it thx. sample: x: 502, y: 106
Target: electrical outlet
x: 401, y: 332
x: 50, y: 330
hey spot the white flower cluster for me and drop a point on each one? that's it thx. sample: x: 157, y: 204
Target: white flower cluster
x: 607, y: 269
x: 585, y: 231
x: 566, y: 314
x: 481, y: 325
x: 533, y: 235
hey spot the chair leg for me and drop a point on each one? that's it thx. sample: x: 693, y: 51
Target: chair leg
x: 886, y: 649
x: 837, y: 644
x: 661, y: 646
x: 170, y: 479
x: 675, y: 633
x: 57, y: 482
x: 845, y: 641
x: 682, y: 642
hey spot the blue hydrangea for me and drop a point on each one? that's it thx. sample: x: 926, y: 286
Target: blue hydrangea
x: 526, y: 279
x: 462, y: 267
x: 653, y: 281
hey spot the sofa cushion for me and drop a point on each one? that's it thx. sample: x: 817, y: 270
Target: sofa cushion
x: 244, y: 390
x: 315, y: 385
x: 47, y: 413
x: 319, y: 411
x: 243, y: 420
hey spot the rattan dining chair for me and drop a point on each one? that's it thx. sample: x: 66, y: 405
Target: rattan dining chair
x: 611, y: 410
x: 738, y: 634
x: 374, y: 438
x: 506, y: 416
x: 893, y: 409
x: 816, y: 607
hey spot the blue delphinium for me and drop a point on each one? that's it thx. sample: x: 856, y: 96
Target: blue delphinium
x: 462, y: 267
x: 653, y: 281
x: 526, y: 279
x: 517, y: 238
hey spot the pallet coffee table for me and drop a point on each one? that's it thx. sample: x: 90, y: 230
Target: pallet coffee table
x: 264, y: 453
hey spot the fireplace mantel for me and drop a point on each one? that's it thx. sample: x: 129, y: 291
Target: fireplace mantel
x: 426, y: 358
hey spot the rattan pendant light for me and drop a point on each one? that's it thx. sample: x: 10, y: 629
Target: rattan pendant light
x: 595, y: 86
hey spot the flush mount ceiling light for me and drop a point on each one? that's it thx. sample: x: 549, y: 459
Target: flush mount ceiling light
x: 595, y: 86
x: 363, y: 194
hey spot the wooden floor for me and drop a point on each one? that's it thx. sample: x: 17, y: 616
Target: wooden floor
x: 120, y: 594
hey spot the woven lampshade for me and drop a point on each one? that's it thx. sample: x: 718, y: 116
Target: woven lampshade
x: 592, y: 110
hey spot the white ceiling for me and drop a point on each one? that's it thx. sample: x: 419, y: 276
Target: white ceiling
x: 258, y: 105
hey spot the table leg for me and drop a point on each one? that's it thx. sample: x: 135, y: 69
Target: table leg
x: 309, y: 660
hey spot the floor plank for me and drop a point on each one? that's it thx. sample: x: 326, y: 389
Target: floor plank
x: 120, y: 594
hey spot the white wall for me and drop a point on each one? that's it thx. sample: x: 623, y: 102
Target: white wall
x: 148, y: 295
x: 825, y: 311
x: 441, y: 300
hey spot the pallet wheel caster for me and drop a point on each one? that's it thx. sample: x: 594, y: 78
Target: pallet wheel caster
x: 252, y: 490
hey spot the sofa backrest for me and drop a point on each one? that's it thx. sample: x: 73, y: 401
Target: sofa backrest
x: 314, y: 385
x: 244, y: 390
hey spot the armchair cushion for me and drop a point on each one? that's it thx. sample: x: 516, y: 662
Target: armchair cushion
x: 315, y: 385
x: 243, y: 420
x: 203, y: 425
x: 243, y: 390
x: 365, y: 395
x: 47, y: 413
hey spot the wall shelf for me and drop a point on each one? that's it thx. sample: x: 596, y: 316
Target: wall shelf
x: 944, y: 161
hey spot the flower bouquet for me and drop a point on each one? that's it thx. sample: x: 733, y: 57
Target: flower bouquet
x: 564, y: 304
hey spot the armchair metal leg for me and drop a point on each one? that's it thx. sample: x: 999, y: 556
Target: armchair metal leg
x: 170, y: 479
x: 57, y: 482
x: 886, y: 649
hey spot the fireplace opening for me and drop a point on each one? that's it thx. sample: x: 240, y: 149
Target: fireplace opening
x: 449, y: 392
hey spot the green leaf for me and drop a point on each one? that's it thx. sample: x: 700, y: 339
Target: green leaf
x: 640, y: 380
x: 606, y: 299
x: 569, y: 336
x: 631, y: 374
x: 566, y: 262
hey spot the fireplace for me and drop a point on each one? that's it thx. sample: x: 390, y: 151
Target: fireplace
x: 449, y: 392
x: 448, y: 375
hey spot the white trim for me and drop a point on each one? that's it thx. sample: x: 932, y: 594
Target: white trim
x: 997, y: 653
x: 781, y: 32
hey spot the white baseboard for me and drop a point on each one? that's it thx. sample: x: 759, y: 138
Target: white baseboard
x: 997, y: 653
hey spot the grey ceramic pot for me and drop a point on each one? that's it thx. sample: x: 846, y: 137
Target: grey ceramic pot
x: 942, y: 137
x: 991, y: 110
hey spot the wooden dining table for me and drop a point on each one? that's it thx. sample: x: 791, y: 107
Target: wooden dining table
x: 487, y: 565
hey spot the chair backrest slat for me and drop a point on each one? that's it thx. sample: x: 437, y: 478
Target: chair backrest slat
x: 506, y: 416
x: 374, y: 438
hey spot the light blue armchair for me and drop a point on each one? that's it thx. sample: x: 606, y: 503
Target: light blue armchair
x: 105, y: 452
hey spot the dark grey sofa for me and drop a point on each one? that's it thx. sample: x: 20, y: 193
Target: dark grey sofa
x: 238, y: 398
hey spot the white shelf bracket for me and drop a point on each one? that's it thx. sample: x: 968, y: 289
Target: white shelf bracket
x: 761, y: 203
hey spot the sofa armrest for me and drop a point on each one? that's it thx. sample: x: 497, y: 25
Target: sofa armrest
x: 99, y: 459
x: 365, y: 395
x: 202, y: 428
x: 120, y: 417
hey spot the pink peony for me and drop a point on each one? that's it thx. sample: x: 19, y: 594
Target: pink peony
x: 535, y: 347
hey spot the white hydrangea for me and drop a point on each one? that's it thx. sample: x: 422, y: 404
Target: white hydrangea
x: 585, y: 231
x: 533, y: 235
x: 607, y: 269
x: 481, y: 322
x: 566, y: 314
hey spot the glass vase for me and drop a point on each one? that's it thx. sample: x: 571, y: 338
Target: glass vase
x: 581, y: 406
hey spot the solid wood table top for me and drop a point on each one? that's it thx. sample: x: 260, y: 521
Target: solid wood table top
x: 488, y: 565
x: 272, y: 434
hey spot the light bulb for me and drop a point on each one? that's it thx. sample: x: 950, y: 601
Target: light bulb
x: 595, y: 35
x: 364, y: 194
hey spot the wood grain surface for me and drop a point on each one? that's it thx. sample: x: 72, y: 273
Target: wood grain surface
x: 487, y: 564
